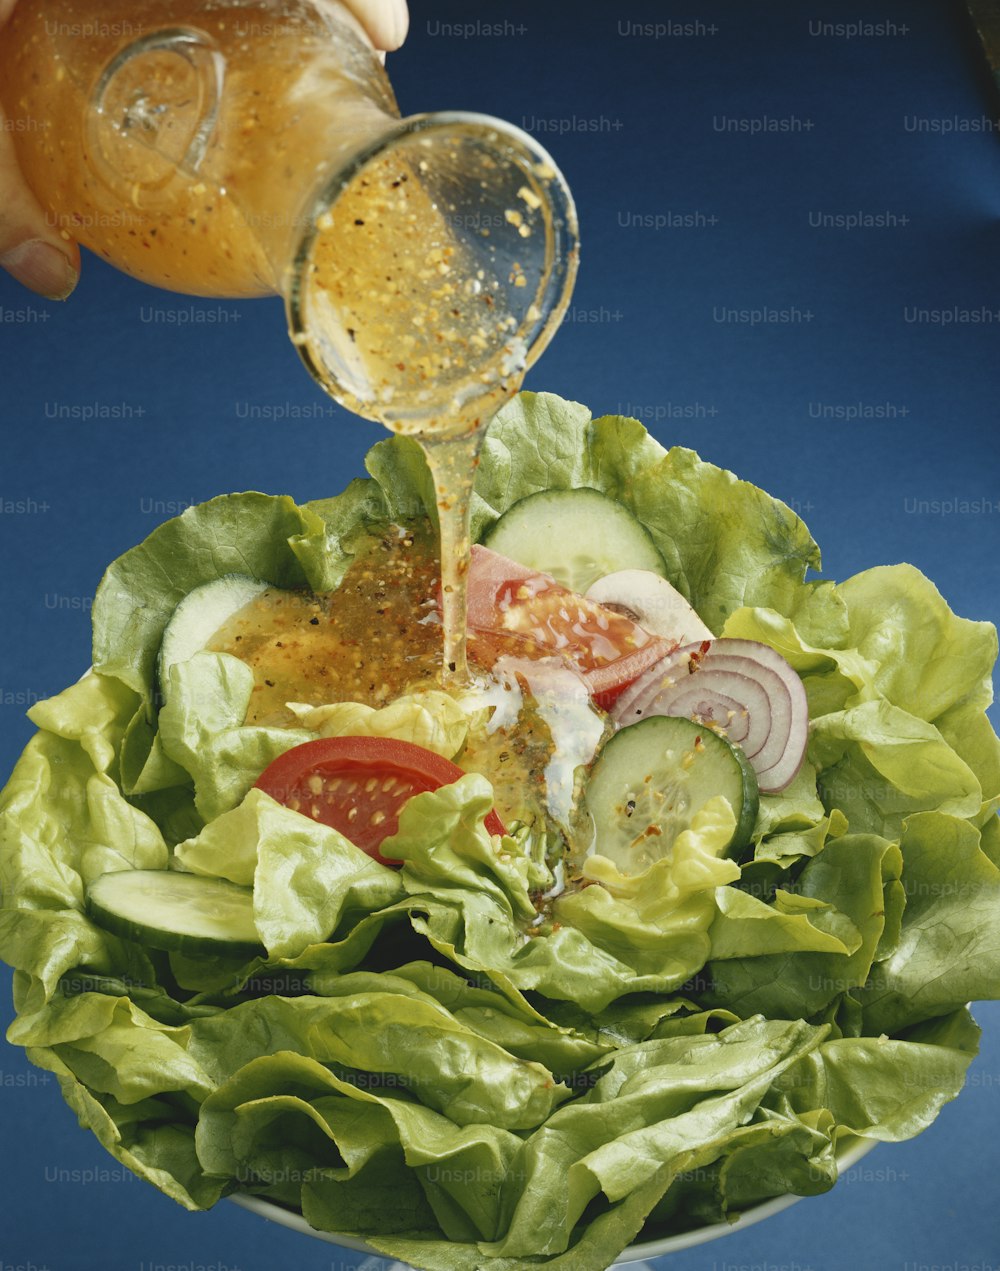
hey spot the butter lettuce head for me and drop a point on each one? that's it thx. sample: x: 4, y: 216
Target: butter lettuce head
x: 453, y: 1059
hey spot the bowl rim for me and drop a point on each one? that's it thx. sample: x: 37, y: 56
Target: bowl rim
x: 853, y: 1150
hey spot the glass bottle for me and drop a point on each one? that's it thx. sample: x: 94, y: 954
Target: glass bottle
x: 250, y: 147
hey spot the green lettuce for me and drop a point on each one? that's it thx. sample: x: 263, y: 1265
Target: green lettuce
x: 454, y: 1059
x: 304, y: 876
x: 430, y: 718
x: 202, y: 730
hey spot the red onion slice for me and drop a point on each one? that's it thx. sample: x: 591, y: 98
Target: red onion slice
x: 710, y: 702
x: 742, y: 688
x: 721, y: 712
x: 662, y: 676
x: 778, y: 696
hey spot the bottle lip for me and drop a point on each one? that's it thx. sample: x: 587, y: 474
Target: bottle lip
x: 562, y: 226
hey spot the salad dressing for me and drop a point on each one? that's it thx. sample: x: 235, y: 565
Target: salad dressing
x: 541, y: 732
x: 365, y: 642
x: 532, y: 726
x: 452, y: 462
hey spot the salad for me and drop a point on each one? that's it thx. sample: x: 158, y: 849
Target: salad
x: 689, y: 892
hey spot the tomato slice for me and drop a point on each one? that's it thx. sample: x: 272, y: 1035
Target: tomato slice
x: 516, y: 610
x: 358, y: 785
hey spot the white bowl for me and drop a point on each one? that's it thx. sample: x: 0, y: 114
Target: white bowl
x: 629, y: 1257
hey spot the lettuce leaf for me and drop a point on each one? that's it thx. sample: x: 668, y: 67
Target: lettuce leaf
x: 202, y: 729
x: 949, y: 945
x: 850, y: 879
x: 926, y: 659
x: 430, y: 718
x: 304, y: 876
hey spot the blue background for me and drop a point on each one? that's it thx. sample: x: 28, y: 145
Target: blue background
x: 857, y: 415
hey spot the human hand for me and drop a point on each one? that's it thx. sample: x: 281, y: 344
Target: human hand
x: 33, y: 251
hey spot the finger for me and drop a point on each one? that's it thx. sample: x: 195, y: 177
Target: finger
x: 386, y: 21
x: 6, y: 9
x: 31, y: 249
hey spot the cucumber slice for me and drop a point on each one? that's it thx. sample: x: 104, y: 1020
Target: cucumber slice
x: 169, y: 910
x: 577, y: 536
x: 200, y: 614
x: 660, y: 772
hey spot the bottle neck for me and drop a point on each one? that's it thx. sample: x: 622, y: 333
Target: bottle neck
x: 432, y: 268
